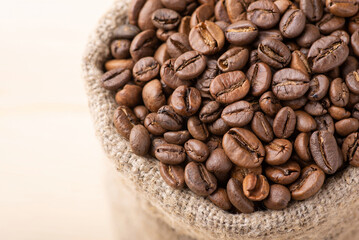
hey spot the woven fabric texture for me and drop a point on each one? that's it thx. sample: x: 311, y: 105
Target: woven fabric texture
x: 333, y: 213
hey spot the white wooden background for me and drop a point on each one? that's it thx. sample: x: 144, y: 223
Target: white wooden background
x: 51, y: 164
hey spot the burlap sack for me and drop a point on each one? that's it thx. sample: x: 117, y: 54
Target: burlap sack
x: 146, y: 208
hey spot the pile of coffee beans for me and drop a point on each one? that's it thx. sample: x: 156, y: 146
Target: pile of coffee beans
x: 251, y: 104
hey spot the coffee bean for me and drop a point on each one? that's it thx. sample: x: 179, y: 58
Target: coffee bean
x: 163, y: 35
x: 220, y: 199
x: 316, y: 108
x: 352, y: 81
x: 300, y: 62
x: 173, y: 175
x: 207, y: 38
x: 346, y: 8
x: 273, y: 52
x: 143, y: 44
x: 355, y: 42
x: 309, y: 35
x: 339, y: 93
x: 146, y: 69
x: 210, y: 112
x: 184, y: 26
x: 301, y: 146
x: 158, y: 141
x: 222, y: 25
x: 219, y: 164
x: 343, y: 35
x: 289, y: 84
x: 330, y: 23
x: 229, y: 87
x: 261, y: 127
x: 284, y: 174
x: 236, y: 10
x: 124, y: 120
x: 278, y: 198
x: 170, y: 154
x: 213, y: 143
x: 260, y: 77
x: 186, y: 100
x: 346, y: 126
x: 120, y: 49
x: 310, y: 182
x: 284, y: 5
x: 237, y: 197
x: 129, y: 96
x: 238, y: 114
x: 269, y: 104
x: 263, y: 13
x: 218, y: 127
x: 338, y: 113
x: 240, y: 173
x: 126, y: 31
x: 296, y: 104
x: 313, y: 9
x: 284, y: 123
x: 327, y: 53
x: 349, y: 149
x: 168, y: 119
x: 243, y: 148
x: 199, y: 180
x: 169, y: 77
x: 140, y: 140
x: 241, y: 33
x: 177, y: 137
x: 233, y: 59
x: 116, y: 78
x: 177, y: 44
x: 161, y: 55
x: 153, y: 96
x: 318, y: 87
x: 201, y: 14
x: 176, y: 5
x: 220, y: 11
x: 189, y: 65
x: 292, y: 23
x: 152, y: 125
x: 196, y: 150
x: 255, y: 187
x: 325, y: 122
x: 134, y: 10
x: 278, y: 151
x: 197, y: 129
x: 305, y: 122
x: 166, y: 19
x: 263, y: 34
x: 119, y: 63
x: 144, y: 17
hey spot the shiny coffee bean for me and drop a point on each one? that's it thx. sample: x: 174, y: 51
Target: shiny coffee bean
x: 197, y: 129
x: 292, y: 23
x: 189, y: 65
x: 355, y: 42
x: 218, y: 127
x: 119, y: 63
x: 273, y: 52
x: 346, y: 8
x: 346, y: 126
x: 241, y: 33
x: 240, y: 173
x: 296, y: 104
x: 338, y: 113
x: 196, y: 150
x: 236, y: 10
x: 116, y: 78
x: 199, y: 180
x: 349, y: 149
x: 260, y: 77
x: 326, y: 123
x: 166, y: 19
x: 143, y: 45
x: 120, y: 49
x: 300, y: 62
x: 278, y: 151
x: 284, y: 123
x: 161, y: 55
x: 317, y: 108
x: 210, y: 112
x: 214, y: 142
x: 201, y: 14
x: 146, y: 69
x: 153, y: 96
x: 129, y: 96
x: 352, y: 81
x: 168, y: 119
x: 126, y: 31
x: 238, y: 114
x: 169, y: 77
x: 263, y: 34
x: 163, y: 35
x: 243, y: 148
x: 269, y: 104
x: 313, y: 9
x: 330, y: 23
x: 309, y: 35
x: 177, y: 137
x: 283, y: 174
x: 318, y: 87
x: 177, y: 44
x: 278, y: 198
x: 233, y: 59
x: 186, y: 100
x: 134, y: 10
x: 184, y: 26
x: 157, y: 141
x: 263, y: 13
x: 255, y: 187
x: 152, y: 125
x: 170, y: 154
x: 220, y: 11
x: 237, y: 197
x: 305, y: 122
x: 310, y: 182
x: 141, y: 112
x: 140, y: 140
x: 339, y: 93
x: 205, y: 79
x: 176, y: 5
x: 173, y: 175
x: 301, y: 146
x: 124, y: 120
x: 261, y: 127
x: 219, y: 164
x: 220, y: 199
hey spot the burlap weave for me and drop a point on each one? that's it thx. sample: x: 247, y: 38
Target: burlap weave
x: 146, y: 208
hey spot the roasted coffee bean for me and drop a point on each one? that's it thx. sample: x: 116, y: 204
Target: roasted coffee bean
x: 273, y: 52
x: 353, y: 24
x: 310, y: 182
x: 349, y: 149
x: 243, y: 148
x: 134, y: 10
x: 220, y: 11
x: 316, y: 108
x: 143, y: 44
x: 284, y: 5
x: 355, y: 112
x: 126, y: 31
x: 350, y: 65
x: 152, y: 125
x: 289, y: 84
x: 305, y: 122
x: 238, y: 114
x: 169, y: 77
x: 219, y: 164
x: 296, y: 103
x: 263, y: 34
x: 346, y: 8
x: 309, y: 35
x: 278, y: 151
x: 161, y: 55
x: 263, y: 13
x: 253, y: 57
x: 177, y: 137
x: 220, y: 199
x: 278, y: 198
x: 186, y: 100
x: 313, y: 9
x: 255, y: 187
x: 169, y: 119
x: 284, y: 174
x: 330, y: 23
x: 269, y: 104
x: 218, y: 127
x: 339, y: 93
x: 237, y: 197
x: 300, y: 62
x: 236, y: 10
x: 214, y: 142
x: 119, y: 63
x: 124, y: 120
x: 146, y: 69
x: 129, y: 96
x: 292, y: 23
x: 355, y: 42
x: 240, y: 173
x: 325, y: 151
x: 260, y: 77
x: 153, y: 96
x: 163, y: 35
x: 190, y: 8
x: 327, y: 53
x: 144, y: 17
x: 197, y: 129
x: 170, y: 154
x: 140, y: 141
x: 241, y: 33
x: 301, y: 146
x: 352, y: 81
x: 177, y: 44
x: 338, y: 113
x: 204, y: 80
x: 166, y: 19
x: 199, y: 180
x: 261, y: 127
x: 176, y: 5
x: 343, y: 35
x: 120, y: 49
x: 222, y: 25
x: 184, y: 26
x: 196, y: 150
x: 207, y: 38
x: 284, y: 123
x: 318, y: 87
x: 233, y: 59
x: 229, y: 87
x: 210, y: 112
x: 173, y: 175
x: 154, y: 144
x: 189, y: 65
x: 326, y: 123
x: 141, y: 112
x: 346, y: 126
x: 116, y: 78
x: 201, y: 14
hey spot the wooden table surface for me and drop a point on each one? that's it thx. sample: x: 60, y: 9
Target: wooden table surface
x: 51, y: 165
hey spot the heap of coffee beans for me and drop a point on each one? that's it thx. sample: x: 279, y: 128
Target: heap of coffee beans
x: 248, y: 103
